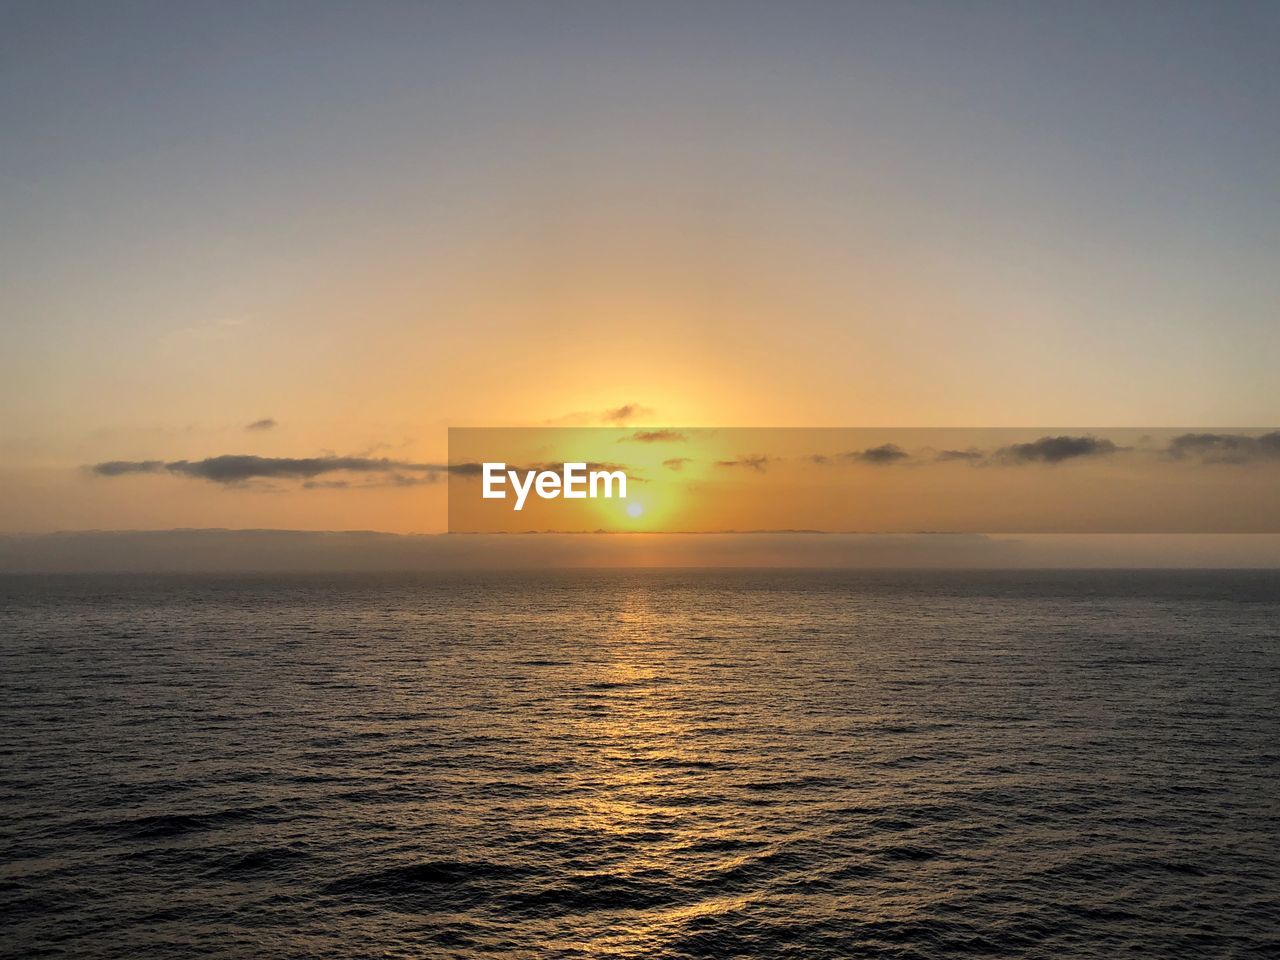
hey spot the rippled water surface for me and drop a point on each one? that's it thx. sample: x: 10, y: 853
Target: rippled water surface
x: 642, y: 765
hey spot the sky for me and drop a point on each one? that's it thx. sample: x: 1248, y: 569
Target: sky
x: 301, y: 230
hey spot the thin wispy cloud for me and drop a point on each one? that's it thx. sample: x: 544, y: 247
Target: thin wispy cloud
x: 959, y: 456
x: 654, y: 436
x: 266, y: 423
x: 627, y: 412
x: 757, y: 462
x: 615, y: 416
x: 591, y: 465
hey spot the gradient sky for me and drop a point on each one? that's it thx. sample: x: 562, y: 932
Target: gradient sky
x: 367, y: 222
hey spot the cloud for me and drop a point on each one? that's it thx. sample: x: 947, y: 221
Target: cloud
x: 1043, y: 450
x: 418, y: 480
x: 618, y: 416
x: 964, y: 456
x: 591, y: 466
x: 390, y: 480
x: 119, y: 468
x: 622, y: 414
x: 239, y: 468
x: 1233, y: 448
x: 266, y: 423
x: 1056, y: 449
x: 676, y: 463
x: 884, y: 454
x: 757, y: 463
x: 655, y: 436
x: 235, y: 468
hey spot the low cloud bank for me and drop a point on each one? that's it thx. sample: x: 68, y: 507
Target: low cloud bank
x: 290, y: 551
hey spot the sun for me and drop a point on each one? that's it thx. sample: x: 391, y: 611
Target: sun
x: 635, y: 509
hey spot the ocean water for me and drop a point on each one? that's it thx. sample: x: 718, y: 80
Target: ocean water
x: 641, y: 765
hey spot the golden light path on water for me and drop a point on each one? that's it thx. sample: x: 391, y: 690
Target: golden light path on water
x: 621, y: 807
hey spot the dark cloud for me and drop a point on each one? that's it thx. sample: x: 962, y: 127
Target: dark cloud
x: 1056, y: 449
x: 1232, y: 448
x: 655, y: 436
x: 964, y: 456
x: 266, y: 423
x: 390, y: 480
x: 239, y: 468
x: 884, y: 454
x: 676, y: 463
x: 235, y: 468
x: 119, y: 468
x: 758, y: 463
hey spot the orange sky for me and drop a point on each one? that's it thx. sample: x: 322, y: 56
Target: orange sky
x: 374, y: 228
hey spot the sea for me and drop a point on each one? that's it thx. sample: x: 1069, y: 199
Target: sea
x: 641, y: 764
